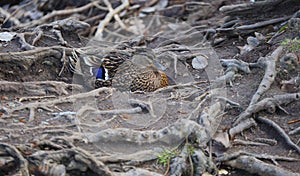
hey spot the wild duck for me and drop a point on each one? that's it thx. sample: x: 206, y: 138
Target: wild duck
x: 134, y: 70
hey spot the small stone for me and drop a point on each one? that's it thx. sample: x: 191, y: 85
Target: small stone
x: 253, y: 41
x: 259, y: 36
x: 199, y: 62
x: 6, y: 36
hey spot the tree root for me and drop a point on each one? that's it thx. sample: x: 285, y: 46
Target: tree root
x: 295, y: 131
x: 132, y: 159
x: 61, y: 161
x: 109, y: 16
x: 273, y: 158
x: 69, y: 99
x: 250, y: 162
x: 270, y: 74
x: 255, y: 166
x: 241, y: 9
x: 268, y: 104
x: 248, y: 143
x: 178, y: 163
x: 26, y: 58
x: 247, y: 29
x: 7, y: 149
x: 280, y: 131
x: 179, y: 130
x: 136, y: 171
x: 232, y: 67
x: 39, y: 88
x: 246, y: 124
x: 57, y: 13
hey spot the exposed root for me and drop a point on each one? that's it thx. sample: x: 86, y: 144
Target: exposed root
x: 109, y: 16
x: 26, y: 58
x: 232, y: 67
x: 76, y: 160
x: 38, y: 88
x: 268, y: 104
x: 136, y: 171
x: 69, y: 99
x: 248, y: 143
x: 251, y: 163
x: 21, y: 99
x: 295, y: 131
x: 132, y: 159
x: 179, y: 130
x: 270, y: 74
x: 255, y: 166
x: 57, y: 13
x: 178, y: 163
x: 119, y: 111
x: 280, y: 131
x: 273, y: 158
x: 9, y: 150
x: 246, y: 124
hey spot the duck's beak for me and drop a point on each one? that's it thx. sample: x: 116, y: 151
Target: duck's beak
x: 159, y: 65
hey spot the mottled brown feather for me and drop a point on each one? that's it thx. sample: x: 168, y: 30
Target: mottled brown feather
x: 130, y: 71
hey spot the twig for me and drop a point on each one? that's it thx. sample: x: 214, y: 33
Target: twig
x: 241, y: 127
x: 243, y: 8
x: 35, y: 98
x: 68, y: 99
x: 262, y: 24
x: 234, y: 155
x: 269, y: 104
x: 9, y: 16
x: 64, y: 61
x: 109, y: 16
x: 197, y: 109
x: 57, y: 13
x: 167, y: 169
x: 178, y: 86
x: 247, y: 143
x: 280, y: 131
x: 255, y: 166
x: 246, y: 29
x: 294, y: 131
x: 271, y: 142
x: 118, y: 111
x: 116, y: 16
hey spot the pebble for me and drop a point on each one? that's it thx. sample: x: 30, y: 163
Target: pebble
x: 6, y: 36
x: 252, y: 41
x: 199, y: 62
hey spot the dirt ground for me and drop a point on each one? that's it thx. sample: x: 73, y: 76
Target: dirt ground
x: 36, y: 84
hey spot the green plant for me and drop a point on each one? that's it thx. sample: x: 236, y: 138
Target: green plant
x: 283, y: 28
x: 191, y: 149
x: 165, y: 157
x: 291, y: 44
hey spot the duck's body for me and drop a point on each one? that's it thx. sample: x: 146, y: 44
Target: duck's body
x: 126, y: 71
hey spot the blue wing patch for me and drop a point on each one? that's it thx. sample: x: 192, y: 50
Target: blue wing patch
x: 98, y: 72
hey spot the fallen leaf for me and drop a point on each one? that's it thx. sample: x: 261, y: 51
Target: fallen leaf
x: 126, y: 116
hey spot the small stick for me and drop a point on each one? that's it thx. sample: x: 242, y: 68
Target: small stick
x: 280, y: 131
x: 109, y: 16
x: 118, y: 111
